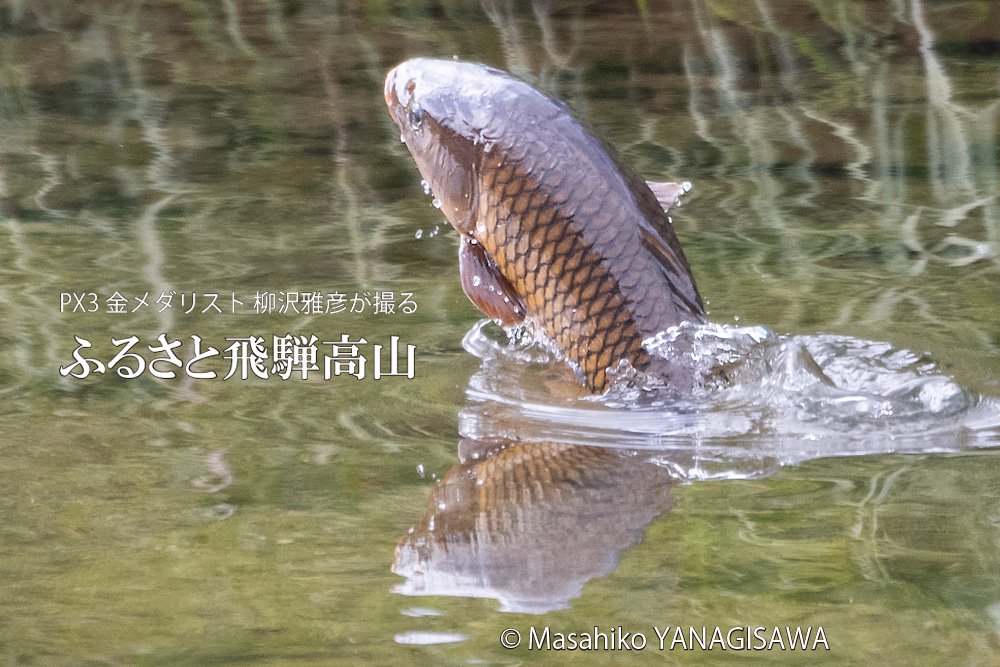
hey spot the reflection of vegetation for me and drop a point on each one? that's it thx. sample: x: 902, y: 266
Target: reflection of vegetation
x: 874, y: 96
x: 844, y: 156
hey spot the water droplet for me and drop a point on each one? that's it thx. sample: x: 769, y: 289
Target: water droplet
x: 436, y: 203
x: 426, y: 186
x: 402, y: 138
x: 476, y: 280
x: 419, y: 233
x: 736, y: 318
x: 420, y: 469
x: 442, y: 506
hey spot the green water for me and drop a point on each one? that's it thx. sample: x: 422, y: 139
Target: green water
x: 844, y: 160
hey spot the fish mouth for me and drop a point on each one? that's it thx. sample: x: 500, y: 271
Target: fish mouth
x: 390, y: 86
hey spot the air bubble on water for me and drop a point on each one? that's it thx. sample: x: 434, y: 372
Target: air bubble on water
x: 436, y: 203
x: 686, y: 186
x: 419, y: 234
x: 437, y: 228
x: 736, y: 318
x: 426, y: 186
x: 442, y: 506
x: 476, y: 281
x: 420, y: 469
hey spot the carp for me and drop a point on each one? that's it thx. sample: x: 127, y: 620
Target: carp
x: 557, y: 232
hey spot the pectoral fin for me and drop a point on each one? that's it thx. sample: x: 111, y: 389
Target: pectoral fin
x: 486, y: 287
x: 668, y: 194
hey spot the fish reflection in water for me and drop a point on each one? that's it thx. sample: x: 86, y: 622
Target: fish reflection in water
x: 550, y: 490
x: 529, y: 523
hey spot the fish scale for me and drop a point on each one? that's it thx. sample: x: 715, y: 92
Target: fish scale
x: 570, y: 301
x: 552, y: 222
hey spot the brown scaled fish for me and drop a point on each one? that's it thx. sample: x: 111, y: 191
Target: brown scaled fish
x: 556, y: 232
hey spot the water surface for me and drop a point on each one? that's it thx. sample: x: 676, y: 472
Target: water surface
x: 844, y: 162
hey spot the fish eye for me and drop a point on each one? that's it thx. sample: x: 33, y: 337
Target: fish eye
x: 416, y: 116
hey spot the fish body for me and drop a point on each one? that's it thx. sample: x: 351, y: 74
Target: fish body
x: 556, y: 230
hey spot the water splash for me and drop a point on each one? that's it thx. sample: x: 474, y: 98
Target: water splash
x: 763, y: 400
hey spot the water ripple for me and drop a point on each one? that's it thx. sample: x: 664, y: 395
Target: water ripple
x: 763, y: 400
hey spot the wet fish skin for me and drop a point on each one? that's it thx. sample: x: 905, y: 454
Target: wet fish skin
x: 580, y: 247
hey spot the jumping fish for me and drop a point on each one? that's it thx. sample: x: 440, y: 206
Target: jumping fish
x: 556, y: 230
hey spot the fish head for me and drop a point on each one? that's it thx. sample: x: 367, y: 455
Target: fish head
x: 444, y: 110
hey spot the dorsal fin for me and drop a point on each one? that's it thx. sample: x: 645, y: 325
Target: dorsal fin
x: 668, y: 194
